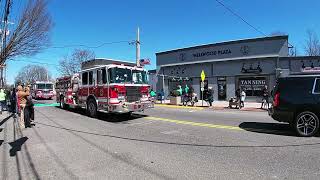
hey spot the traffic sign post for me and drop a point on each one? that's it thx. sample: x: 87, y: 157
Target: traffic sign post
x: 203, y: 76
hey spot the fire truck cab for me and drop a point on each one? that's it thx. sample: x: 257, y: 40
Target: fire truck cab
x: 111, y: 86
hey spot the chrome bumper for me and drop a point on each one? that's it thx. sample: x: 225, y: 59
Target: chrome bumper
x: 131, y: 107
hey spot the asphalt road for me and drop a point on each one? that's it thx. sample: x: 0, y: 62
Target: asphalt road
x: 162, y: 143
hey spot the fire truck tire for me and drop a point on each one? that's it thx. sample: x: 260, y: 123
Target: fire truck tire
x: 92, y: 108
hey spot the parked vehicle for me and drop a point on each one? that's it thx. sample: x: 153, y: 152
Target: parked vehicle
x: 296, y: 100
x: 115, y: 87
x: 42, y: 90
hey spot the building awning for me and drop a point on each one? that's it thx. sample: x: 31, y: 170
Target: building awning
x: 223, y: 59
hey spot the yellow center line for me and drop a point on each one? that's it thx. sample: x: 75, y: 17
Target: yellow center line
x: 175, y: 106
x: 195, y: 123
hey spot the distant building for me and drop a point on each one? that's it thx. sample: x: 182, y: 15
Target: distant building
x: 248, y: 64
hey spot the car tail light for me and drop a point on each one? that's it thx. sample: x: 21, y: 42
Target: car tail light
x: 276, y: 100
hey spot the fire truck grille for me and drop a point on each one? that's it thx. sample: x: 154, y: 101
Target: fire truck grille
x: 133, y: 94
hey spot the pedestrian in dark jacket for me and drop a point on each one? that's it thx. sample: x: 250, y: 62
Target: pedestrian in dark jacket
x: 265, y: 97
x: 210, y: 96
x: 13, y: 101
x: 238, y: 94
x: 29, y: 110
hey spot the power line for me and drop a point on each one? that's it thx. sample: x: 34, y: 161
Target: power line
x: 34, y: 62
x: 243, y: 20
x: 90, y: 47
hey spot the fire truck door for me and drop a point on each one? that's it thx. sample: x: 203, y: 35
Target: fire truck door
x: 99, y: 90
x: 83, y: 91
x: 92, y: 83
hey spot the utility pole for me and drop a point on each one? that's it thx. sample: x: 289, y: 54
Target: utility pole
x: 3, y: 41
x: 138, y: 48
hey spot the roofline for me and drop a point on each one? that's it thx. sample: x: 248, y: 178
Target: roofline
x: 301, y: 57
x: 226, y: 43
x: 223, y: 59
x: 302, y: 75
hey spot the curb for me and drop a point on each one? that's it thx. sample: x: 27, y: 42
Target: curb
x: 176, y: 106
x: 253, y: 109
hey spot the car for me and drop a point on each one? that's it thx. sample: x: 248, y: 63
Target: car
x: 296, y: 100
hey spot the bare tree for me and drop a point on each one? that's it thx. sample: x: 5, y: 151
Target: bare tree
x: 312, y: 46
x: 31, y: 35
x: 70, y: 65
x: 32, y: 73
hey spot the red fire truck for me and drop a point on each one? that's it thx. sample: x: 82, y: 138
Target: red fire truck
x: 107, y: 86
x: 42, y: 90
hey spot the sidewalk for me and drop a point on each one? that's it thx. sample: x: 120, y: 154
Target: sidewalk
x: 217, y: 105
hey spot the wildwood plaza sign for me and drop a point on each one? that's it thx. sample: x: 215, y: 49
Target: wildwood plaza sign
x: 212, y: 53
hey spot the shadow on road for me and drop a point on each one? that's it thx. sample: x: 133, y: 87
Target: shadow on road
x: 268, y: 128
x: 5, y: 119
x: 16, y: 145
x: 114, y: 118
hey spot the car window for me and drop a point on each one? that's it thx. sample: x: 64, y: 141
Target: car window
x: 317, y: 86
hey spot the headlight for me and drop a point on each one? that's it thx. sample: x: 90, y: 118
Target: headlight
x: 121, y: 98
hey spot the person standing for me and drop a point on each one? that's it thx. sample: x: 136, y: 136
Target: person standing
x: 179, y: 90
x: 161, y: 95
x: 22, y: 98
x: 186, y: 95
x: 2, y: 100
x: 28, y: 110
x: 210, y: 96
x: 13, y: 101
x: 265, y: 96
x: 152, y: 93
x: 242, y: 99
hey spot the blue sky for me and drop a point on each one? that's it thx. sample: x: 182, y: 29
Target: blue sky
x: 165, y: 25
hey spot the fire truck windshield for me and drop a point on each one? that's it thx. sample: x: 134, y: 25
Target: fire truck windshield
x: 139, y: 77
x: 120, y: 75
x: 44, y: 86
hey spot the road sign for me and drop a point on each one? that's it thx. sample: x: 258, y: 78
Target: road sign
x: 203, y: 76
x: 202, y: 84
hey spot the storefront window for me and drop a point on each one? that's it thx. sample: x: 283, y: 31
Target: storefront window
x: 175, y: 82
x: 252, y: 85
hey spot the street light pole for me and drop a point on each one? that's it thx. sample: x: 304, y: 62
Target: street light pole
x: 138, y: 48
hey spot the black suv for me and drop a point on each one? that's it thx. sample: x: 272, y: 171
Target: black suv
x: 296, y: 100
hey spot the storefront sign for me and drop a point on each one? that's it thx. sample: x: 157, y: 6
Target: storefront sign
x: 252, y: 82
x: 252, y: 85
x: 212, y: 53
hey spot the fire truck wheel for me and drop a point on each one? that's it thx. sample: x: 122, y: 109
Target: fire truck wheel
x: 92, y: 108
x: 62, y: 104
